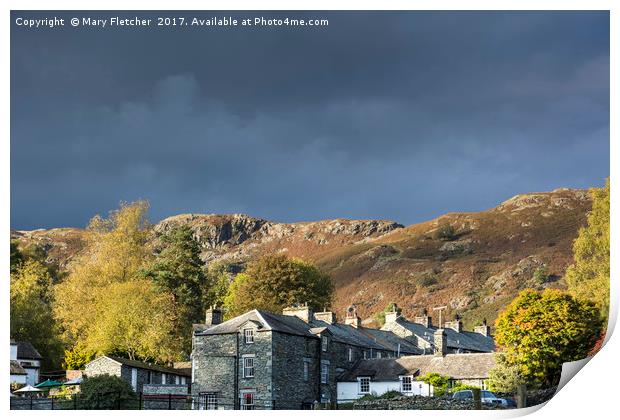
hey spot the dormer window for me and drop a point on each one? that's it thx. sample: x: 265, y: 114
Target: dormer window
x: 324, y: 343
x: 248, y: 335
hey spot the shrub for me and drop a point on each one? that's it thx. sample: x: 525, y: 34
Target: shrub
x: 390, y: 394
x: 439, y: 382
x: 106, y: 392
x: 445, y: 232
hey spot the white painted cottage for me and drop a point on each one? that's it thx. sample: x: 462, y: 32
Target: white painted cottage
x: 29, y: 359
x: 378, y: 376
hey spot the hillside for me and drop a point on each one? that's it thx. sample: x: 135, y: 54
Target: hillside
x: 491, y: 256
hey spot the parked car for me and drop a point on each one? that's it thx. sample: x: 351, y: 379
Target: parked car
x: 487, y: 397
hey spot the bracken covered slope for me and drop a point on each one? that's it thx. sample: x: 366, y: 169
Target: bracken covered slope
x: 492, y: 255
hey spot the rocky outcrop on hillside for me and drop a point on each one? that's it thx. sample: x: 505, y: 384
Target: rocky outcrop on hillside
x: 491, y: 257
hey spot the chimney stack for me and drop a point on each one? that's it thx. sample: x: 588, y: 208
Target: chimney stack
x: 456, y: 325
x: 441, y: 342
x: 325, y: 316
x: 483, y: 329
x: 352, y: 319
x: 425, y: 320
x: 302, y: 312
x: 392, y: 315
x: 213, y: 316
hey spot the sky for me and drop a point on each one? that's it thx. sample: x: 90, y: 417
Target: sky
x: 380, y: 115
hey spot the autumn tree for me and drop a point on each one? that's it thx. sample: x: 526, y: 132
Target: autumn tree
x: 588, y: 277
x: 539, y: 331
x: 31, y: 315
x: 179, y: 271
x: 274, y: 282
x: 104, y: 299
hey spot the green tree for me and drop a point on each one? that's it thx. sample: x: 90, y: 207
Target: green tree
x: 588, y: 277
x: 77, y: 357
x: 106, y: 392
x: 439, y: 382
x: 539, y: 331
x: 274, y: 282
x: 179, y: 271
x: 380, y: 317
x: 219, y: 277
x: 31, y: 315
x: 504, y: 377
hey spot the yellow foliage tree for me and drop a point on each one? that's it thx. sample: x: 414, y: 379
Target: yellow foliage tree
x: 588, y: 277
x: 104, y: 302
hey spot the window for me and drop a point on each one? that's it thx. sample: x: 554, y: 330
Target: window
x: 208, y: 401
x: 177, y: 380
x: 182, y: 380
x: 163, y: 378
x: 211, y: 401
x: 134, y: 379
x: 306, y: 370
x: 350, y: 354
x: 324, y: 373
x: 364, y: 385
x: 379, y: 355
x: 405, y: 384
x: 247, y: 401
x: 248, y: 335
x: 365, y: 354
x: 324, y: 343
x: 149, y: 377
x: 248, y: 367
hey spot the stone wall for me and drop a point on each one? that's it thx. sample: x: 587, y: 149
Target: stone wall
x: 214, y: 359
x: 290, y: 390
x: 103, y: 365
x: 415, y: 403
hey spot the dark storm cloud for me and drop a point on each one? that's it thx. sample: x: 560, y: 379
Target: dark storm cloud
x: 381, y: 115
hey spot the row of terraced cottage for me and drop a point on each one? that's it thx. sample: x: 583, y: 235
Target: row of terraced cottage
x: 300, y: 358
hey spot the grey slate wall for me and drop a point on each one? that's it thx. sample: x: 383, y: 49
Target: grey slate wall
x: 290, y: 389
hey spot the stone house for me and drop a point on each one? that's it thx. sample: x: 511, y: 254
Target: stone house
x: 381, y: 375
x: 421, y: 330
x: 292, y: 360
x: 136, y: 373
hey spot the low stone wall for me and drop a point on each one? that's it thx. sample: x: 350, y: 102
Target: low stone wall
x: 166, y: 397
x: 416, y: 402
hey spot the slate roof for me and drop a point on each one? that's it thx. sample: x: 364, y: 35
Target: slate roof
x: 456, y: 366
x: 362, y: 337
x: 16, y: 368
x: 466, y: 340
x: 25, y: 350
x: 148, y: 366
x: 185, y: 367
x: 267, y: 321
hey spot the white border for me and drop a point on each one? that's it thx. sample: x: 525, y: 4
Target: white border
x: 592, y: 394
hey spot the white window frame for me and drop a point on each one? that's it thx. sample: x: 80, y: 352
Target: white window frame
x: 379, y: 355
x: 360, y: 382
x: 324, y: 373
x: 350, y: 354
x: 163, y: 378
x: 183, y: 380
x: 248, y: 366
x: 403, y: 384
x: 248, y: 335
x: 211, y: 401
x: 324, y: 343
x: 306, y: 370
x: 365, y: 354
x: 244, y: 404
x: 134, y: 378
